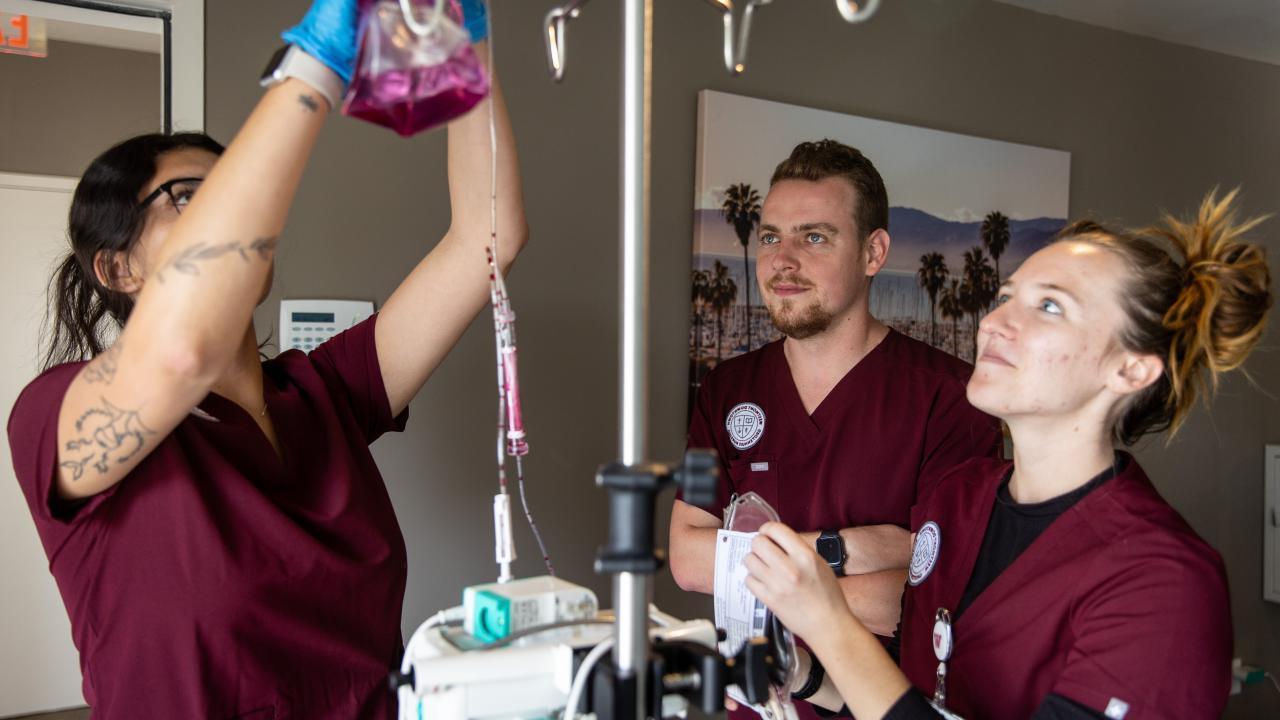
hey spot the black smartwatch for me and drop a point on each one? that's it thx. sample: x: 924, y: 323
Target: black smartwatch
x: 831, y: 549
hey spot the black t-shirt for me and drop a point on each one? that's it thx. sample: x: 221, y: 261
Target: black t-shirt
x: 1014, y: 526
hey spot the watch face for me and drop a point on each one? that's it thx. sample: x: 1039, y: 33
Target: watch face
x: 274, y: 63
x: 829, y: 549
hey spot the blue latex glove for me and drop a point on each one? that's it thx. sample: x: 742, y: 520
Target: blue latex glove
x: 476, y: 18
x: 328, y: 33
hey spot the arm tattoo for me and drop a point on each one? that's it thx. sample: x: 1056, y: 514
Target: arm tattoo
x: 188, y: 260
x: 102, y: 369
x: 106, y: 434
x: 309, y: 103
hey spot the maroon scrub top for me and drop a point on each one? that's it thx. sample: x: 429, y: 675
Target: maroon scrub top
x: 218, y: 580
x: 869, y: 452
x: 888, y: 430
x: 1117, y: 605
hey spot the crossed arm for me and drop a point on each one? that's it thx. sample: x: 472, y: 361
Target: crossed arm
x: 874, y: 571
x: 789, y: 577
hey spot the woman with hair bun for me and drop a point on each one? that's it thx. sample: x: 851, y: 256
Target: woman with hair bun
x: 1059, y: 585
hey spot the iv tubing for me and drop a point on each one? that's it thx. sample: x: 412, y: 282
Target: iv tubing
x: 504, y: 345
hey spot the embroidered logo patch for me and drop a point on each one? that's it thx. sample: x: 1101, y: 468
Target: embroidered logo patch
x: 925, y: 554
x: 745, y: 424
x: 1117, y: 709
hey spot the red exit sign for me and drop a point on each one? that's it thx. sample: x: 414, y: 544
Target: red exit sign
x: 23, y: 35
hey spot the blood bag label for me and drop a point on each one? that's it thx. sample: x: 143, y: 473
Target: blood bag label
x: 738, y: 612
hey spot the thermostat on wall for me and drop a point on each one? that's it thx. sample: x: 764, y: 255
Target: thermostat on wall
x: 304, y: 324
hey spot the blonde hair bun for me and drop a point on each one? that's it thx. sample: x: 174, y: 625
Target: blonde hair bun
x: 1220, y: 314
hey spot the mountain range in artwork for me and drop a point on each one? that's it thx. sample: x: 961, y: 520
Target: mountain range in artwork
x: 941, y: 277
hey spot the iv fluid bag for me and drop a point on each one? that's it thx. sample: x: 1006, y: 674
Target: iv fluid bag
x: 411, y: 82
x: 745, y: 514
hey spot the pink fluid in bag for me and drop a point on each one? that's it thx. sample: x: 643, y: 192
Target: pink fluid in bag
x: 410, y: 101
x: 411, y: 83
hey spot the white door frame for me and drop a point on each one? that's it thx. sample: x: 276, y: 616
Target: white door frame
x: 182, y: 21
x: 39, y: 665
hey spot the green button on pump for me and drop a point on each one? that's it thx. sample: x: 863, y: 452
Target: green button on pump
x: 492, y: 616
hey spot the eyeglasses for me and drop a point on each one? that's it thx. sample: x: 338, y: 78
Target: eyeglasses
x: 179, y: 190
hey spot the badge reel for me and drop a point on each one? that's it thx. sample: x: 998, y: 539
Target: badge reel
x: 943, y: 645
x: 745, y: 514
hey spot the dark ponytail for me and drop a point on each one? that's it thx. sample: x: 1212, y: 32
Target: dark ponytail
x: 104, y: 218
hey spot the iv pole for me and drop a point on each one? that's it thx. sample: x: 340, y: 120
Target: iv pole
x: 633, y: 481
x: 631, y: 589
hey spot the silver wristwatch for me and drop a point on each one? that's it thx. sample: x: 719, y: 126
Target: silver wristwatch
x: 291, y: 61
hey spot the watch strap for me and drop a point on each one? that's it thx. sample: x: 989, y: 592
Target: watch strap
x: 296, y: 63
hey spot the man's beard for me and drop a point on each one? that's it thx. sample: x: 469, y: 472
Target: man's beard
x: 799, y: 323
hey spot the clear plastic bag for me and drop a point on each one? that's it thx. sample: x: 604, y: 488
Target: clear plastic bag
x: 416, y: 69
x: 745, y: 514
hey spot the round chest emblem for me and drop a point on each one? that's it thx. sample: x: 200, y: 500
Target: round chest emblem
x: 925, y: 554
x: 745, y: 424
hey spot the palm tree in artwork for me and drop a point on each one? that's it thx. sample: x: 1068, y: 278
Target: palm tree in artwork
x: 723, y: 291
x: 701, y: 297
x: 950, y: 307
x: 741, y: 209
x: 978, y: 289
x: 995, y: 237
x: 932, y: 276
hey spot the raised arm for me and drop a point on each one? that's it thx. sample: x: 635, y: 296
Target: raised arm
x: 429, y: 311
x: 195, y: 277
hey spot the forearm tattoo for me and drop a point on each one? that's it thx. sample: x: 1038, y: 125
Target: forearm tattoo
x: 105, y: 435
x: 187, y: 261
x: 309, y: 103
x: 102, y: 369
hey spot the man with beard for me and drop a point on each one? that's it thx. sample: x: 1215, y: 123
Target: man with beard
x: 844, y: 424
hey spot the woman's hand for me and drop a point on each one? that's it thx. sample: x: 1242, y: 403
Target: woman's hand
x: 787, y: 575
x: 328, y: 33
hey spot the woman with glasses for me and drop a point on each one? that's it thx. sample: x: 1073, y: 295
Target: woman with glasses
x: 1059, y: 585
x: 217, y: 527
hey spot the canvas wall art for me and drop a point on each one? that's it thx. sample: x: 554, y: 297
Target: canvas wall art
x: 964, y: 213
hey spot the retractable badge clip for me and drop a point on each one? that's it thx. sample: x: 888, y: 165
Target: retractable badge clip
x: 943, y: 644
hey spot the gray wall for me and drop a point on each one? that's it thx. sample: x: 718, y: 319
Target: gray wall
x: 1149, y: 126
x: 57, y: 113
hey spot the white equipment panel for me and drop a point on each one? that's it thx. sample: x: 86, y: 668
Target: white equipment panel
x: 304, y: 324
x: 1271, y: 527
